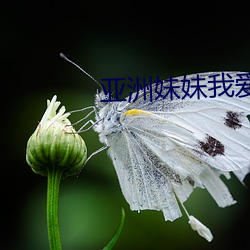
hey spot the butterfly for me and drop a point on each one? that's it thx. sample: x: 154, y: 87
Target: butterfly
x: 165, y: 148
x: 162, y: 150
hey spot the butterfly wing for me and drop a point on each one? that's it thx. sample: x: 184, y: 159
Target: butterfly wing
x: 141, y: 183
x: 220, y: 125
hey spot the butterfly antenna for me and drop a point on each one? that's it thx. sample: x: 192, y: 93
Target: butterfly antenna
x: 90, y: 76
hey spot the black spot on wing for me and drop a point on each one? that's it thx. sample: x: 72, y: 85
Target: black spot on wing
x: 233, y: 119
x: 212, y: 146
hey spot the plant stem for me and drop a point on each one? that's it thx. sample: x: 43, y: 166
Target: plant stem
x: 54, y: 177
x: 117, y: 234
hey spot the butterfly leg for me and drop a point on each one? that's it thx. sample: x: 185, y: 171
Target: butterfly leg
x: 96, y: 152
x: 91, y: 155
x: 86, y: 116
x: 82, y: 128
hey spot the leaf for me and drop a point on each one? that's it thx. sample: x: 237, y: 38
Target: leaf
x: 117, y: 234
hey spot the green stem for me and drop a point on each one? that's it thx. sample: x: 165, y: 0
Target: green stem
x: 54, y: 177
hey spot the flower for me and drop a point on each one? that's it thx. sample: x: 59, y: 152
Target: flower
x: 55, y: 143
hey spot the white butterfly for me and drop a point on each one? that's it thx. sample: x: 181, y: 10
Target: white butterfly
x: 162, y: 150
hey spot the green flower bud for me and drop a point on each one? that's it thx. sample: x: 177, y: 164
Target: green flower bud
x: 55, y: 144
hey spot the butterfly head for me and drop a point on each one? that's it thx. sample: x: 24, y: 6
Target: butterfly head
x: 100, y: 99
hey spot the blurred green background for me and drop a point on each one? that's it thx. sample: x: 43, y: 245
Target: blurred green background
x: 108, y: 39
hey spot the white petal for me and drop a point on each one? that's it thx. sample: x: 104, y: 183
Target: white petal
x: 200, y: 228
x: 51, y: 114
x: 50, y: 109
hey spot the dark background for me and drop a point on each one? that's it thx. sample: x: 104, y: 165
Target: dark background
x: 108, y: 39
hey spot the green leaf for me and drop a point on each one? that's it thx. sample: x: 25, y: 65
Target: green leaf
x: 117, y: 234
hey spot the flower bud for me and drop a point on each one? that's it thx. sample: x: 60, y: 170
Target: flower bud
x: 55, y: 144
